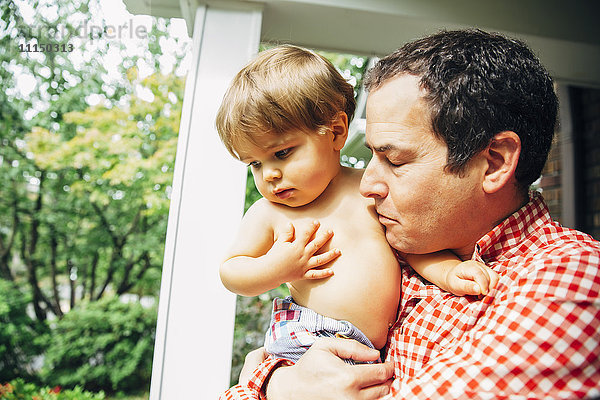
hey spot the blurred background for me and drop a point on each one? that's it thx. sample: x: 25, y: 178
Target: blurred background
x: 89, y: 117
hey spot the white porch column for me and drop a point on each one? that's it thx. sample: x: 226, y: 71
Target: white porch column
x: 192, y: 354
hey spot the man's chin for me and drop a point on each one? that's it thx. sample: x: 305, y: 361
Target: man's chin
x: 397, y: 242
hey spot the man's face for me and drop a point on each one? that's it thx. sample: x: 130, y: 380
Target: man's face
x: 423, y: 207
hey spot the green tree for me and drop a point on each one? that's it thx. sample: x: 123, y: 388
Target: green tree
x: 56, y: 86
x: 19, y: 334
x: 116, y: 173
x: 103, y: 345
x: 85, y: 189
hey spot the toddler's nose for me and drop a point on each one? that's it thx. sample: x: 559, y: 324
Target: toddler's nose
x: 270, y: 174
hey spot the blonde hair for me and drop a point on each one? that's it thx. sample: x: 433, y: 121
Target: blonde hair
x: 284, y: 88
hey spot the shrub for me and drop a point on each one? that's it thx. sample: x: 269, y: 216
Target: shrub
x: 104, y: 345
x: 18, y: 333
x: 19, y: 390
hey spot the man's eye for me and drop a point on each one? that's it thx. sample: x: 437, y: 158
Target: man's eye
x: 281, y: 154
x: 394, y: 164
x: 254, y: 164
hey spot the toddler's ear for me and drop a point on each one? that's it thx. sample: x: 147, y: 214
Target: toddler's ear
x: 339, y: 128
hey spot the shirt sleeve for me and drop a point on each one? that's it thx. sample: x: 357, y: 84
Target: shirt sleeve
x: 254, y: 389
x: 526, y: 348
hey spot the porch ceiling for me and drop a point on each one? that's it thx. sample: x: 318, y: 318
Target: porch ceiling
x: 565, y: 35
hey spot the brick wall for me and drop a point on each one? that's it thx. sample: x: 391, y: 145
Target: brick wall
x: 585, y: 114
x: 551, y: 176
x: 588, y: 126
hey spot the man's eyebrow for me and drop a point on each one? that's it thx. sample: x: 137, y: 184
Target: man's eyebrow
x: 381, y: 149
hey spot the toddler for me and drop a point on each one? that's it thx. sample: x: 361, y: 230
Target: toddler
x: 286, y: 115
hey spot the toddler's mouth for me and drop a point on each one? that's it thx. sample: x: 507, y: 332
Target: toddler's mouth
x: 283, y: 193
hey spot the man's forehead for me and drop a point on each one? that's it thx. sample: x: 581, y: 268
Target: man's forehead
x: 397, y: 115
x: 385, y: 141
x: 398, y: 102
x: 399, y: 137
x: 395, y: 91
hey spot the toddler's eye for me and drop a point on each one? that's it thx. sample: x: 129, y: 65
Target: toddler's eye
x: 254, y: 164
x: 281, y: 154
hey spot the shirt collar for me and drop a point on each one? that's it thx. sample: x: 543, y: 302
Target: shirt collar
x: 512, y: 230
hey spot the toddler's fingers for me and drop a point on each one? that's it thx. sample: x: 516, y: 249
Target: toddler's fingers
x: 309, y: 232
x: 287, y: 233
x: 322, y: 259
x: 482, y: 282
x: 319, y: 241
x: 318, y: 273
x: 476, y: 275
x: 466, y: 287
x: 494, y: 278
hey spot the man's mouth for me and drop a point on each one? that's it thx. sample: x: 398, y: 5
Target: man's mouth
x: 385, y: 220
x: 283, y: 194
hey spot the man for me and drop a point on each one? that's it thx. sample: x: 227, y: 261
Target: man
x: 460, y: 124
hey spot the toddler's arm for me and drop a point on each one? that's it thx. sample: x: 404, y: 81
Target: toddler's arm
x: 262, y: 259
x: 445, y: 270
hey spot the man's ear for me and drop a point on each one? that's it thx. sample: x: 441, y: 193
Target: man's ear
x: 502, y: 156
x: 339, y: 128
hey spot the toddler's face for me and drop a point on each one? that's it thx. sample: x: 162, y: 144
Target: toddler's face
x: 292, y: 168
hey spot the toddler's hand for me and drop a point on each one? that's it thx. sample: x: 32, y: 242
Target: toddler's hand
x: 294, y: 253
x: 471, y: 277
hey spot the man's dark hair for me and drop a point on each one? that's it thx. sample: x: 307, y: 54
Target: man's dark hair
x: 479, y: 84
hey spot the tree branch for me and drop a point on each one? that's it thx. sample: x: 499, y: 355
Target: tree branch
x: 105, y: 223
x: 93, y: 274
x: 35, y: 220
x: 38, y: 297
x: 125, y: 284
x: 53, y: 251
x: 117, y: 254
x: 5, y: 251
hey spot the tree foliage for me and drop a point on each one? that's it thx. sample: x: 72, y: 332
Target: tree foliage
x: 111, y: 182
x: 19, y: 334
x: 104, y: 345
x: 85, y: 188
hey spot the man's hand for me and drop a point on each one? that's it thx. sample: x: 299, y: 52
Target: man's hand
x: 471, y: 277
x: 294, y: 253
x: 321, y: 373
x: 251, y: 362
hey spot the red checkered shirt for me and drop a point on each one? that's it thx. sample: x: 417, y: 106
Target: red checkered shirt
x: 535, y: 336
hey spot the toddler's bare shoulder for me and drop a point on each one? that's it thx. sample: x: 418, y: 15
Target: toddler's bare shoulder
x: 262, y: 211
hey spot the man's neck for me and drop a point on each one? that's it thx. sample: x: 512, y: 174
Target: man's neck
x: 497, y: 208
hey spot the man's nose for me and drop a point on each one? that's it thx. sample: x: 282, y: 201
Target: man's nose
x: 371, y: 184
x: 271, y: 173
